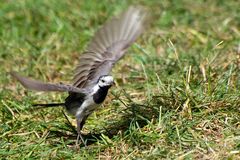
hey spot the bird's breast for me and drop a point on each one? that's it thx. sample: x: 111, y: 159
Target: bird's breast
x: 86, y: 108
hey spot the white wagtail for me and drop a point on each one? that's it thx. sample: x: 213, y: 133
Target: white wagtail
x: 92, y: 80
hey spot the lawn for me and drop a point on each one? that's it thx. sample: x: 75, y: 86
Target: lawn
x: 177, y: 92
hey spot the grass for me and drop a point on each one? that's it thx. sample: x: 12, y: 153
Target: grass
x: 177, y: 94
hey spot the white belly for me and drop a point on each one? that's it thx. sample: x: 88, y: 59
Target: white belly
x: 86, y: 108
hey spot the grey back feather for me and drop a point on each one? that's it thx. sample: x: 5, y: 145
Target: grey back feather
x: 108, y: 45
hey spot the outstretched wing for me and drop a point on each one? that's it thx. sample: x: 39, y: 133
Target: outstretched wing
x: 41, y: 86
x: 109, y: 45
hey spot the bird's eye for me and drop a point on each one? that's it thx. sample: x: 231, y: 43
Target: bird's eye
x: 103, y: 81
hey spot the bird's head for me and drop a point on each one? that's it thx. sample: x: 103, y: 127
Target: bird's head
x: 105, y: 81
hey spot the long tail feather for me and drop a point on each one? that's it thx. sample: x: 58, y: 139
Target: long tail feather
x: 49, y: 105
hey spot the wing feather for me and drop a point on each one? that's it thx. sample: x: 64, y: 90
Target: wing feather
x: 109, y: 45
x: 41, y: 86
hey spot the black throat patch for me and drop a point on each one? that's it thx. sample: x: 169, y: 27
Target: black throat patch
x: 101, y: 94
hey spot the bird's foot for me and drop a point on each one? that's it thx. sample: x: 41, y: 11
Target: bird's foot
x: 79, y: 136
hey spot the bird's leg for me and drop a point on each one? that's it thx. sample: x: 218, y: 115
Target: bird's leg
x: 79, y: 128
x: 69, y: 123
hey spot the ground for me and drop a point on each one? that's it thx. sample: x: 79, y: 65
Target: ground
x: 177, y: 92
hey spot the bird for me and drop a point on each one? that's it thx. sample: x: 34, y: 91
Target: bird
x: 92, y: 79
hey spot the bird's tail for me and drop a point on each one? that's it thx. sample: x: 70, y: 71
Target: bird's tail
x: 49, y: 105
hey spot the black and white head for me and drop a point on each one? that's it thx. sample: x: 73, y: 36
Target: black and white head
x: 105, y: 81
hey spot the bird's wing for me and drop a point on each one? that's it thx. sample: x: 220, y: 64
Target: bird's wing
x: 108, y: 45
x: 41, y: 86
